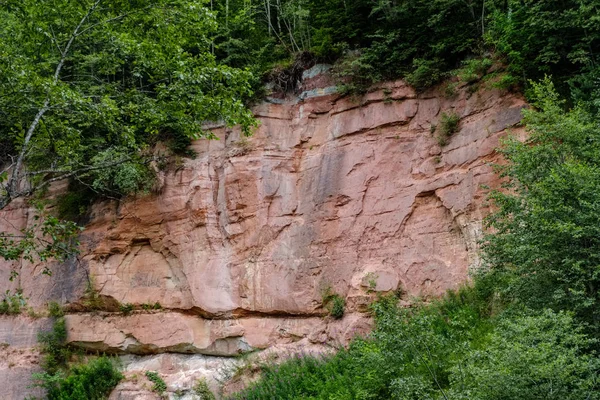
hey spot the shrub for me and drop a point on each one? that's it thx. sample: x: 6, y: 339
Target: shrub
x: 337, y: 307
x: 201, y: 389
x: 55, y: 310
x: 425, y: 73
x: 93, y: 380
x: 546, y: 231
x: 354, y: 74
x: 159, y: 384
x: 474, y: 69
x: 53, y: 346
x: 334, y: 303
x: 530, y: 357
x: 453, y: 348
x: 92, y: 300
x: 12, y: 304
x: 447, y: 126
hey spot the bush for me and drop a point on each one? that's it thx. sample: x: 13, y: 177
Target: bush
x: 201, y: 389
x: 53, y: 346
x: 530, y: 357
x: 474, y: 69
x: 12, y: 304
x: 547, y: 228
x: 447, y: 126
x: 55, y: 310
x: 159, y: 384
x: 354, y: 74
x: 93, y: 380
x: 425, y: 73
x: 334, y: 303
x: 454, y: 348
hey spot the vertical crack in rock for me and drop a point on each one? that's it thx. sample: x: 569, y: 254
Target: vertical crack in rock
x: 237, y: 250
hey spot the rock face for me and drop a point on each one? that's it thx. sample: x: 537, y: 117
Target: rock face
x: 239, y: 244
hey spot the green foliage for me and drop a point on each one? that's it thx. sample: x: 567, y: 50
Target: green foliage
x: 201, y: 389
x: 92, y: 300
x: 64, y: 380
x: 546, y: 239
x: 425, y: 73
x: 334, y: 303
x: 455, y: 348
x: 474, y: 69
x: 97, y: 83
x: 530, y: 357
x: 74, y: 204
x: 12, y: 304
x: 542, y: 37
x: 126, y: 309
x: 55, y: 310
x: 93, y: 380
x: 150, y: 306
x: 46, y: 238
x: 447, y: 126
x: 56, y: 354
x: 354, y: 74
x: 159, y: 384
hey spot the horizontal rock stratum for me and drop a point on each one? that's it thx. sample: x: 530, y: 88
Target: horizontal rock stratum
x: 238, y: 245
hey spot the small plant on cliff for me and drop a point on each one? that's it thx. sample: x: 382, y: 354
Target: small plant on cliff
x: 159, y: 384
x: 333, y: 302
x: 55, y: 310
x: 12, y: 303
x: 201, y: 389
x: 371, y: 279
x: 447, y: 127
x: 92, y: 301
x: 53, y: 346
x: 126, y: 308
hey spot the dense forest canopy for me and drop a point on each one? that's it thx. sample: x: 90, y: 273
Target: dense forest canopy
x: 87, y: 88
x: 88, y: 85
x: 372, y: 40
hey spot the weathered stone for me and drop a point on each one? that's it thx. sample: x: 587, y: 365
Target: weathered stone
x: 239, y: 244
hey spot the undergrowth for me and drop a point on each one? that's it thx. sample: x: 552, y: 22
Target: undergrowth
x: 459, y: 347
x: 68, y: 376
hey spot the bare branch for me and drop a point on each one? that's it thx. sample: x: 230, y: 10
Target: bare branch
x: 112, y: 20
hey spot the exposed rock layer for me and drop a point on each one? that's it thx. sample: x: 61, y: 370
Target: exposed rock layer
x: 240, y: 243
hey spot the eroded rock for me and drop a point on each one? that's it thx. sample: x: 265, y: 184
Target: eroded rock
x: 240, y: 243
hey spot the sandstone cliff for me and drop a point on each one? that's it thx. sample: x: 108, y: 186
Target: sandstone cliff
x: 238, y: 245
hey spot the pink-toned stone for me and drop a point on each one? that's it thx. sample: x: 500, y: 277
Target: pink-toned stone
x: 239, y: 244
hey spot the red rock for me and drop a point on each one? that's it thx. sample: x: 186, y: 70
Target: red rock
x: 326, y: 194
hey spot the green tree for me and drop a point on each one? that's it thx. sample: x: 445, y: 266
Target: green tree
x: 530, y: 357
x: 545, y: 242
x: 86, y: 87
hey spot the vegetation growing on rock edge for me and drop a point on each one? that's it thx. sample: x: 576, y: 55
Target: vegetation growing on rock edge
x: 67, y: 377
x: 88, y: 87
x: 527, y: 328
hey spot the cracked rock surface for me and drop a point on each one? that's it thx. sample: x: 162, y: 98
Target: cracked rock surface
x: 239, y: 244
